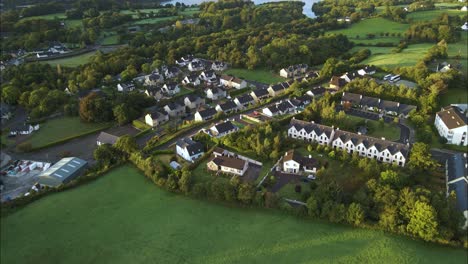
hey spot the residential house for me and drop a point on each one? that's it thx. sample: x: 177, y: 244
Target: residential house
x: 285, y: 107
x: 368, y: 70
x: 153, y: 79
x: 457, y: 182
x: 193, y: 101
x: 171, y: 72
x: 227, y: 107
x: 191, y: 79
x: 337, y: 83
x: 196, y: 65
x: 174, y: 109
x: 209, y: 75
x: 188, y: 149
x: 310, y: 131
x: 185, y: 60
x: 215, y: 93
x: 218, y: 66
x: 349, y: 76
x: 244, y: 101
x: 464, y: 27
x: 389, y: 107
x: 275, y: 90
x: 312, y: 74
x: 229, y: 165
x: 370, y: 103
x: 451, y: 124
x: 295, y: 163
x: 154, y: 92
x: 223, y: 129
x: 259, y: 94
x: 271, y: 111
x: 316, y: 91
x: 293, y: 70
x: 204, y: 115
x: 125, y: 87
x: 24, y: 129
x: 106, y: 138
x: 232, y: 82
x: 300, y: 102
x: 351, y: 98
x: 404, y: 110
x: 156, y: 118
x: 170, y: 88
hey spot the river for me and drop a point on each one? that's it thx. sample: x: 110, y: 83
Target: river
x: 307, y: 7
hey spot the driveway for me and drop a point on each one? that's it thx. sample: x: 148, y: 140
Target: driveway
x: 282, y: 179
x: 252, y: 173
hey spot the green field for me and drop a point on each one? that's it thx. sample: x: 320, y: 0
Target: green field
x: 154, y: 20
x: 62, y: 128
x: 123, y: 218
x: 72, y: 61
x: 408, y: 57
x: 60, y: 16
x: 431, y: 14
x: 358, y: 32
x: 259, y: 75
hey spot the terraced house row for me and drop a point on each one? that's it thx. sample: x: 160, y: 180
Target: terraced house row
x: 365, y: 146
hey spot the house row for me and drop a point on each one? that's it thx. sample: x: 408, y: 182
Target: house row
x: 452, y: 124
x: 375, y: 104
x: 195, y: 64
x: 365, y: 146
x: 293, y: 70
x: 176, y: 109
x: 338, y: 82
x: 222, y: 129
x: 24, y: 129
x: 287, y: 106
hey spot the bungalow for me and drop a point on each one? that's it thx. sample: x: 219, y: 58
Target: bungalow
x: 204, y: 115
x: 293, y: 70
x: 259, y: 94
x: 317, y: 91
x: 349, y: 76
x: 153, y: 79
x: 370, y: 103
x: 171, y: 72
x: 196, y: 65
x: 285, y: 107
x: 294, y: 163
x: 218, y: 66
x: 244, y: 101
x: 271, y: 111
x: 191, y: 79
x: 125, y: 87
x: 275, y: 90
x: 223, y: 129
x: 229, y: 165
x: 232, y: 82
x: 368, y: 70
x: 337, y: 83
x: 188, y: 149
x: 193, y: 101
x: 351, y: 98
x: 24, y: 129
x: 154, y: 92
x: 227, y: 107
x: 170, y: 88
x: 215, y: 93
x: 106, y: 138
x: 155, y: 118
x: 208, y: 75
x: 389, y: 107
x: 174, y: 109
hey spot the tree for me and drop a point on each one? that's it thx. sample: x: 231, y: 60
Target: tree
x: 355, y: 214
x: 246, y: 193
x: 11, y: 94
x: 124, y: 114
x: 421, y: 158
x: 106, y: 155
x: 423, y: 222
x: 312, y: 207
x: 126, y: 144
x: 94, y: 108
x: 171, y: 182
x: 390, y: 177
x: 185, y: 180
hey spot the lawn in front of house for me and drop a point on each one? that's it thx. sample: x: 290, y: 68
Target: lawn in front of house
x: 389, y: 131
x: 73, y: 61
x: 124, y: 218
x: 62, y: 128
x: 259, y: 75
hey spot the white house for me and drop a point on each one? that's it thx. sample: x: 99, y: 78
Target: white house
x: 223, y: 129
x: 244, y: 101
x: 191, y: 79
x: 294, y: 163
x: 185, y: 60
x: 125, y: 87
x: 310, y: 131
x: 259, y: 94
x: 174, y: 109
x: 451, y: 124
x: 215, y: 93
x: 232, y: 82
x: 193, y: 102
x: 218, y: 66
x: 229, y: 165
x: 368, y: 70
x: 196, y: 65
x: 188, y: 149
x: 227, y: 107
x: 24, y: 129
x: 170, y: 88
x: 208, y: 75
x: 171, y: 72
x: 204, y: 115
x: 293, y: 70
x: 156, y: 118
x: 153, y: 79
x: 154, y: 92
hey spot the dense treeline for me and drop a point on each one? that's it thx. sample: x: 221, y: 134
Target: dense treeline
x: 441, y: 28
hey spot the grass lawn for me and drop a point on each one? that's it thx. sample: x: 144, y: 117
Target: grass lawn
x: 123, y: 218
x: 48, y: 17
x: 154, y: 20
x: 74, y: 61
x: 454, y: 96
x: 432, y: 14
x: 389, y: 131
x: 112, y: 39
x: 358, y: 32
x: 259, y: 75
x: 62, y: 128
x: 201, y: 174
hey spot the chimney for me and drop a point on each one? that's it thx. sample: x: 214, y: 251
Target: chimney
x: 383, y: 138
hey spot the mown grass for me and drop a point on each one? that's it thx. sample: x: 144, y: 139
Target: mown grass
x: 408, y: 57
x: 358, y: 32
x: 61, y: 128
x: 390, y: 131
x: 432, y: 14
x: 123, y: 218
x: 259, y: 75
x: 74, y: 61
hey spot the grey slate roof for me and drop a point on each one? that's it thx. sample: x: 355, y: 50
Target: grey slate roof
x: 192, y: 147
x: 106, y: 138
x: 224, y: 127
